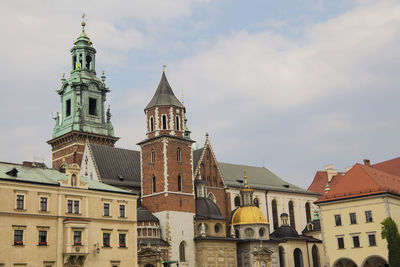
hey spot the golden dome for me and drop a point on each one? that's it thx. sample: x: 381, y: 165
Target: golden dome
x: 248, y: 215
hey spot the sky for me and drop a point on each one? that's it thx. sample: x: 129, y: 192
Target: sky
x: 288, y: 85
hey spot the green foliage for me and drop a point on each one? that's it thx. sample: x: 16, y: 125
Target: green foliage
x: 391, y: 234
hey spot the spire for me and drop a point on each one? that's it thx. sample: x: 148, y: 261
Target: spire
x: 246, y: 192
x: 245, y: 177
x: 164, y: 95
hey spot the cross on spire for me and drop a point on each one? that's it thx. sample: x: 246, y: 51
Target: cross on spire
x: 83, y: 22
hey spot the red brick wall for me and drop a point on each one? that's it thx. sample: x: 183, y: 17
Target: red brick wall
x: 162, y: 111
x: 68, y: 154
x: 177, y: 201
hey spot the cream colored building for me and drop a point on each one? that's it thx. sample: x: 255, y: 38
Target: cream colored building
x: 351, y: 213
x: 54, y: 219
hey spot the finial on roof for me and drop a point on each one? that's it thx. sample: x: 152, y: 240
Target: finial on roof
x: 327, y: 188
x: 245, y: 177
x: 163, y: 67
x: 103, y: 77
x: 63, y: 77
x: 83, y: 22
x: 183, y: 102
x: 316, y: 215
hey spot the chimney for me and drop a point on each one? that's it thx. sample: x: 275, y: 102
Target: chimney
x: 367, y: 162
x: 330, y: 171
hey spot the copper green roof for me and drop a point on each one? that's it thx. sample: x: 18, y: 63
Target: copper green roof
x: 164, y: 95
x: 44, y: 175
x: 258, y: 178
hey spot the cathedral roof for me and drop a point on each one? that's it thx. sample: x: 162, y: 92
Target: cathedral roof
x: 248, y: 215
x: 196, y: 157
x: 285, y: 231
x: 144, y: 215
x: 117, y: 166
x: 258, y: 178
x: 207, y: 209
x: 164, y: 95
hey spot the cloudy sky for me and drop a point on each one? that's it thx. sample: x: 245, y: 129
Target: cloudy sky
x: 289, y: 85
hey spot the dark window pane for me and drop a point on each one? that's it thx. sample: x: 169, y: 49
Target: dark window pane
x: 68, y: 108
x: 18, y: 237
x: 42, y: 238
x: 122, y: 211
x: 122, y: 240
x: 20, y: 202
x: 368, y: 216
x: 275, y: 214
x: 372, y: 239
x: 92, y: 106
x: 69, y: 206
x: 356, y: 241
x: 340, y: 242
x: 106, y: 209
x: 77, y: 238
x: 338, y: 220
x: 353, y: 218
x: 106, y: 239
x: 164, y: 122
x: 76, y: 206
x: 43, y: 203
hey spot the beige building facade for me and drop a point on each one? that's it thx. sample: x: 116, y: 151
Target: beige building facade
x: 54, y: 219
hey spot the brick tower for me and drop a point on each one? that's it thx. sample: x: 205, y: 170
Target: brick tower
x: 167, y: 172
x: 83, y: 117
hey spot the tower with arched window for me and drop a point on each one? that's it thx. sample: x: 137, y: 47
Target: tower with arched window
x: 167, y: 171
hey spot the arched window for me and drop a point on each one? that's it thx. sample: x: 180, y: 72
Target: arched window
x: 179, y: 183
x: 275, y: 214
x: 308, y: 212
x: 153, y: 156
x: 182, y: 255
x: 153, y: 184
x: 291, y: 215
x: 237, y: 201
x: 177, y: 123
x: 88, y: 61
x: 315, y: 256
x: 179, y: 154
x: 256, y: 202
x: 151, y: 124
x: 164, y: 122
x: 298, y: 258
x: 281, y: 257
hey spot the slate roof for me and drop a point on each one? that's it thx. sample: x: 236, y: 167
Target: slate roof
x: 164, y: 95
x: 258, y: 178
x: 144, y: 215
x: 207, y: 209
x: 42, y: 175
x: 117, y: 166
x: 363, y: 180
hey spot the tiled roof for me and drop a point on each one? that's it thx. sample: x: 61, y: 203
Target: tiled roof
x: 164, y: 95
x: 391, y: 166
x: 117, y: 166
x: 48, y: 176
x: 257, y: 177
x: 363, y: 180
x: 321, y: 179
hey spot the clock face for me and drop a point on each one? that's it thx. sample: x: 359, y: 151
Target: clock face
x: 93, y: 87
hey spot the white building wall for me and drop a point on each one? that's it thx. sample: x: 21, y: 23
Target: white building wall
x: 282, y: 199
x: 88, y: 168
x: 177, y: 226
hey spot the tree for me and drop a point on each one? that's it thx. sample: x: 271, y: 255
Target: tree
x: 392, y: 236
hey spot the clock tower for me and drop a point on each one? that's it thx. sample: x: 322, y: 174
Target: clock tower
x: 83, y: 117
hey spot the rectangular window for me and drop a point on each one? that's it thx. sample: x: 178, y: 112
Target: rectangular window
x: 106, y: 209
x: 77, y: 238
x: 122, y: 240
x: 353, y: 218
x: 42, y: 238
x: 122, y: 211
x: 338, y: 220
x: 368, y: 216
x: 43, y: 204
x: 69, y: 206
x: 20, y: 202
x: 76, y: 206
x: 92, y: 106
x: 177, y: 123
x: 356, y: 241
x: 372, y: 240
x: 340, y: 242
x: 106, y: 240
x: 18, y: 237
x: 68, y: 108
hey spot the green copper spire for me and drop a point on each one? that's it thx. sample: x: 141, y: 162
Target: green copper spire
x: 83, y: 94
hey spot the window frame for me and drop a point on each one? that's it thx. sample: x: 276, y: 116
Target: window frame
x: 42, y: 242
x: 106, y: 237
x: 340, y: 242
x: 153, y: 184
x: 152, y: 156
x: 368, y: 216
x: 179, y: 154
x: 90, y: 106
x: 356, y: 240
x: 179, y: 182
x: 20, y: 203
x: 122, y: 245
x: 20, y: 237
x: 177, y: 122
x: 106, y: 209
x: 122, y: 212
x: 68, y: 109
x: 164, y: 122
x: 338, y: 219
x: 369, y: 239
x: 353, y: 218
x: 46, y: 207
x: 77, y: 238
